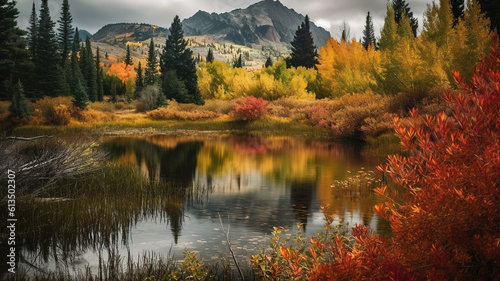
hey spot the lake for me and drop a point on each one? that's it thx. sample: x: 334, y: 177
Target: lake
x: 253, y: 183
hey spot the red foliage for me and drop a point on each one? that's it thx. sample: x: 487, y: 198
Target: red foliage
x: 449, y: 226
x: 249, y: 108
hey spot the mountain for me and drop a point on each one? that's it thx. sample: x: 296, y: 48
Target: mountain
x: 133, y: 31
x: 265, y: 22
x: 83, y: 34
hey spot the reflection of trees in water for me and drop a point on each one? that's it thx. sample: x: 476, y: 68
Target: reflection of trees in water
x: 301, y: 198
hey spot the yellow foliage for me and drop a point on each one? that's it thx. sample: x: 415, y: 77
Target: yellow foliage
x: 122, y: 71
x: 347, y: 67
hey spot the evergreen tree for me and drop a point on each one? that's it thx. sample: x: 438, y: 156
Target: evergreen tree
x: 90, y: 71
x: 173, y: 87
x: 210, y: 55
x: 19, y: 107
x: 177, y: 59
x: 32, y: 32
x: 75, y: 70
x: 114, y: 98
x: 151, y: 75
x: 269, y: 62
x: 303, y: 50
x: 368, y: 33
x: 65, y: 35
x: 238, y: 62
x: 128, y: 57
x: 139, y: 84
x: 13, y: 53
x: 400, y: 7
x: 80, y: 98
x: 161, y: 100
x: 99, y: 82
x: 457, y: 8
x: 346, y: 32
x: 49, y: 75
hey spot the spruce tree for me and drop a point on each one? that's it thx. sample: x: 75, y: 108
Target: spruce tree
x: 400, y: 7
x: 90, y: 71
x: 161, y: 100
x: 303, y: 50
x: 269, y: 62
x: 99, y: 82
x: 49, y: 74
x: 177, y: 59
x: 32, y: 32
x: 65, y: 35
x: 128, y: 57
x: 368, y: 33
x: 174, y: 88
x: 75, y: 70
x: 19, y: 107
x: 210, y: 56
x: 346, y: 32
x: 80, y: 98
x: 13, y: 51
x: 151, y: 73
x: 139, y: 83
x: 238, y: 62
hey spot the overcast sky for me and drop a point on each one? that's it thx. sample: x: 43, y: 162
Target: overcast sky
x: 91, y: 15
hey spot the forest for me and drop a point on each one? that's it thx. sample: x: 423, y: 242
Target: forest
x: 434, y: 89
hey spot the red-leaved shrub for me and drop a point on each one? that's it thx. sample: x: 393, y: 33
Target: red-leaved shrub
x: 449, y: 226
x: 249, y: 108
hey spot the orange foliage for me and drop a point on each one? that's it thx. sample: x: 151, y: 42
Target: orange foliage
x: 449, y: 226
x: 122, y: 71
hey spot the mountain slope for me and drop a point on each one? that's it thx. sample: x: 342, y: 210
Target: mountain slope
x: 134, y: 31
x: 261, y: 23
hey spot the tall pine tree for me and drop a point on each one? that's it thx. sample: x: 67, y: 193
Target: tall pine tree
x: 99, y: 80
x: 33, y: 32
x: 151, y: 73
x: 176, y: 59
x: 139, y: 82
x: 400, y: 7
x: 128, y: 57
x: 303, y: 49
x: 90, y: 71
x: 368, y: 33
x: 49, y: 75
x: 210, y: 55
x: 13, y: 51
x: 65, y: 35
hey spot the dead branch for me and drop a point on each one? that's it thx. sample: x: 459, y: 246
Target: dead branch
x: 226, y: 233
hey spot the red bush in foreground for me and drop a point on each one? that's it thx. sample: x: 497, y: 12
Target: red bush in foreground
x: 249, y: 108
x: 449, y: 226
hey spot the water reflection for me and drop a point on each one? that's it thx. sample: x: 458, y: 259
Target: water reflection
x: 254, y: 183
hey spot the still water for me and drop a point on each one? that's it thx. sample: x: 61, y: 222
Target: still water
x: 253, y: 183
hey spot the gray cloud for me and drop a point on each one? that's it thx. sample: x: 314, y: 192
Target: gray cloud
x: 91, y: 15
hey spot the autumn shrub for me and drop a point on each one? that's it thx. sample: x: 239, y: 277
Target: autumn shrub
x: 4, y: 109
x: 346, y: 116
x: 148, y: 98
x: 249, y: 108
x: 90, y: 115
x: 332, y: 254
x: 218, y: 106
x: 123, y: 106
x: 449, y: 226
x: 103, y: 106
x: 170, y: 113
x: 52, y: 110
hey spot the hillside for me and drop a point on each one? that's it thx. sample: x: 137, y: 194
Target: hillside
x: 129, y: 31
x: 262, y: 23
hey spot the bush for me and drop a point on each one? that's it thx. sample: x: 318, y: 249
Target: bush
x: 52, y: 110
x: 448, y: 228
x: 170, y: 113
x: 148, y: 99
x: 249, y: 108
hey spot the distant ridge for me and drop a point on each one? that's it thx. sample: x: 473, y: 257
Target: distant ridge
x: 135, y: 31
x: 263, y: 22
